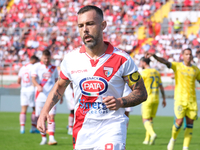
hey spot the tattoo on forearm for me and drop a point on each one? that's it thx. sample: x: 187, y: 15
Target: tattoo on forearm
x: 58, y: 92
x: 55, y: 99
x: 124, y: 101
x: 137, y: 96
x: 67, y: 83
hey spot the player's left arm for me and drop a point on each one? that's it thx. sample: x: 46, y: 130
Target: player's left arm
x: 137, y: 96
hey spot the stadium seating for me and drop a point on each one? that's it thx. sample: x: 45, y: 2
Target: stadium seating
x: 29, y: 27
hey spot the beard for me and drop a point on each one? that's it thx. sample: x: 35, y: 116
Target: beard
x: 93, y: 42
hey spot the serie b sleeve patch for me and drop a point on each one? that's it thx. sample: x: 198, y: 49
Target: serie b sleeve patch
x: 133, y: 78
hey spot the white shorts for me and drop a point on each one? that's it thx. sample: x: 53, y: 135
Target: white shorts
x: 98, y: 134
x: 128, y: 109
x: 27, y: 99
x: 108, y: 146
x: 38, y: 107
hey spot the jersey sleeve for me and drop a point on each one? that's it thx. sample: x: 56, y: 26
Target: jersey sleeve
x: 131, y: 74
x: 34, y: 71
x: 173, y: 66
x: 64, y: 73
x: 129, y: 67
x: 198, y: 74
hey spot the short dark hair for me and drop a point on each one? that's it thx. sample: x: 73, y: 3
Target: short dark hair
x: 46, y: 53
x: 188, y: 49
x: 34, y: 58
x: 91, y: 7
x: 146, y: 60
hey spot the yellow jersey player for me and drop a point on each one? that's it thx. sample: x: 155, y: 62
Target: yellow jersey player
x: 185, y: 95
x: 152, y: 83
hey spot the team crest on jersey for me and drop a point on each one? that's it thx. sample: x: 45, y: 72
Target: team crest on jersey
x: 108, y: 71
x: 93, y: 86
x: 46, y: 75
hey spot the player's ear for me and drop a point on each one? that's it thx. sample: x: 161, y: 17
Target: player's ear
x: 103, y: 25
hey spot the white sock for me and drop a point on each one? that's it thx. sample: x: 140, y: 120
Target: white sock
x: 22, y: 128
x: 51, y: 138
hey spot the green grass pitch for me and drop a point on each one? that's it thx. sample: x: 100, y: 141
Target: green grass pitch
x: 11, y: 139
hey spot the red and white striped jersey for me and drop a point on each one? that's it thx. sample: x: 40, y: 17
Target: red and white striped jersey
x: 46, y: 77
x: 25, y: 75
x: 93, y: 80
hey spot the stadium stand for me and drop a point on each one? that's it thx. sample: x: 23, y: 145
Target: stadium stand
x: 28, y: 27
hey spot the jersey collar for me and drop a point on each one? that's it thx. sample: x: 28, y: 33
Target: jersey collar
x: 108, y: 51
x: 45, y: 65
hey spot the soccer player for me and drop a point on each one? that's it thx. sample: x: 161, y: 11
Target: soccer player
x: 27, y: 95
x: 98, y: 72
x: 152, y: 83
x: 185, y: 95
x: 44, y: 75
x: 69, y: 96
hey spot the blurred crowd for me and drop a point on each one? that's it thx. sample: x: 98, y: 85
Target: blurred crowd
x: 170, y: 46
x: 31, y: 26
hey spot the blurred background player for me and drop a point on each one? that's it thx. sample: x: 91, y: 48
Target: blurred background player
x: 69, y: 96
x: 185, y: 95
x: 152, y: 83
x: 27, y: 95
x: 44, y: 76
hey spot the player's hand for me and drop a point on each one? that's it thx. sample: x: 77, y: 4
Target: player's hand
x: 112, y: 103
x: 164, y: 103
x: 41, y: 122
x: 148, y: 54
x: 61, y: 100
x: 39, y: 88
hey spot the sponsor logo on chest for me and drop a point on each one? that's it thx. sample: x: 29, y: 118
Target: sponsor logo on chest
x: 46, y: 75
x: 93, y: 86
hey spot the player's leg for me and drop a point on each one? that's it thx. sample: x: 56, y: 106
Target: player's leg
x: 154, y: 109
x: 38, y: 108
x: 22, y: 118
x: 70, y: 122
x: 191, y: 115
x: 34, y: 122
x: 179, y: 114
x: 147, y: 114
x: 51, y: 127
x: 33, y: 116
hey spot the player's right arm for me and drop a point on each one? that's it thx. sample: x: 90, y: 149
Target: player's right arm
x: 19, y: 76
x: 19, y: 80
x: 160, y: 59
x: 53, y: 97
x: 36, y: 84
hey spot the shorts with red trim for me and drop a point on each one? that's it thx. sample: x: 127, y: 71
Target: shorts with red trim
x: 97, y: 134
x: 38, y: 107
x: 108, y: 146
